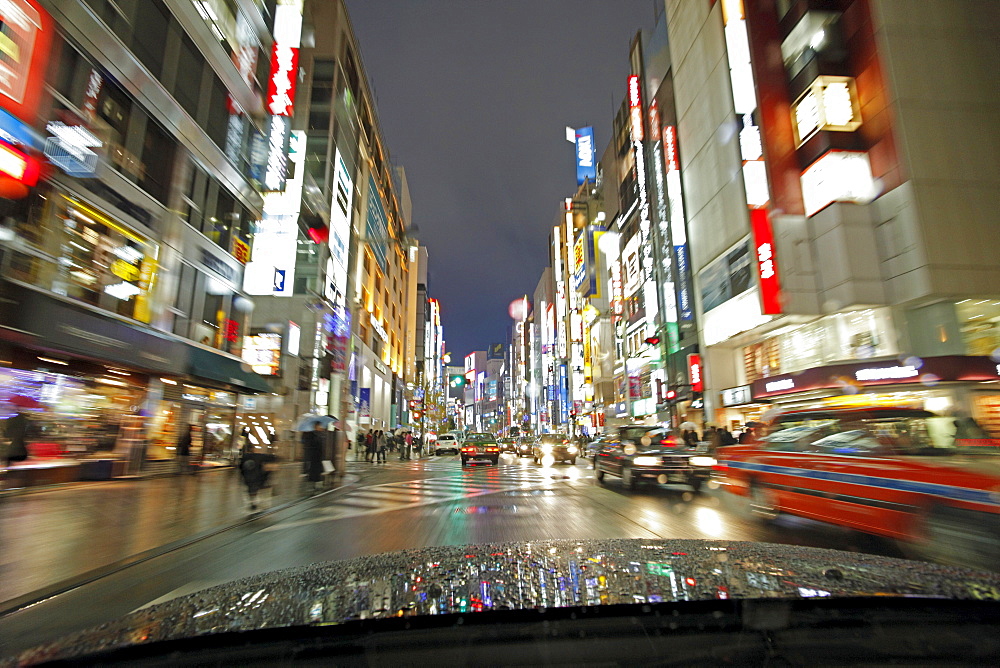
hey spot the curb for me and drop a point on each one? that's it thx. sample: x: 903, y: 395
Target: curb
x: 13, y: 605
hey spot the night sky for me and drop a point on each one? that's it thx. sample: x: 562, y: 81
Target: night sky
x: 474, y: 97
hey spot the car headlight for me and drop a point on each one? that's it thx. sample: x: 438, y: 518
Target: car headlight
x: 546, y: 448
x: 702, y: 461
x: 571, y: 450
x: 524, y: 447
x: 646, y: 461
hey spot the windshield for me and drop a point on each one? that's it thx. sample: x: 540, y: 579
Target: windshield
x: 276, y: 275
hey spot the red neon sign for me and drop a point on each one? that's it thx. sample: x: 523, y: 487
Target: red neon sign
x: 281, y: 85
x: 694, y: 373
x: 670, y: 148
x: 767, y: 263
x: 635, y: 107
x: 18, y: 166
x: 27, y: 31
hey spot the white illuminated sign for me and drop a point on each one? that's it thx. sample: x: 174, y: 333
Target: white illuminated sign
x: 294, y: 338
x: 263, y: 353
x: 275, y: 242
x: 379, y: 329
x: 886, y: 373
x: 779, y: 385
x: 123, y: 291
x: 830, y: 103
x: 277, y: 160
x: 732, y: 317
x: 736, y: 396
x: 838, y: 176
x: 340, y: 223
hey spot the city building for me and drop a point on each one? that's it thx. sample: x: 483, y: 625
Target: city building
x: 333, y: 265
x: 839, y: 171
x: 132, y: 189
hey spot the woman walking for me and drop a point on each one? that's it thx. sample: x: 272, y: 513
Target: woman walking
x: 382, y: 445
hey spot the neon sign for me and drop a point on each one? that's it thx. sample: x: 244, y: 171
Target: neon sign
x: 767, y: 268
x: 284, y: 59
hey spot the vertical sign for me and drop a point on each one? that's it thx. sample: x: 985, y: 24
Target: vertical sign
x: 586, y: 165
x: 365, y: 403
x: 694, y: 373
x: 767, y: 263
x: 271, y: 269
x: 340, y: 225
x: 281, y: 90
x: 377, y: 225
x: 678, y: 223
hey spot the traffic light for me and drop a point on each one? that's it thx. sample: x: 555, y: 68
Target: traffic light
x: 456, y: 380
x: 653, y: 340
x: 671, y: 395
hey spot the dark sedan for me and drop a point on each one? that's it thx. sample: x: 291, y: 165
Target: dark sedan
x: 656, y: 455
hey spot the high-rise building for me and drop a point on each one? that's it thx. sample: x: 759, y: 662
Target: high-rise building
x: 131, y: 190
x: 839, y: 164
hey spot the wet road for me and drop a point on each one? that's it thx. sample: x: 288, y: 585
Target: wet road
x: 403, y: 505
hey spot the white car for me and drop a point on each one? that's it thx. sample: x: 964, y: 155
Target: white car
x: 447, y: 443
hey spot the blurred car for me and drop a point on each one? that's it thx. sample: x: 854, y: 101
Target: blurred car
x: 508, y: 444
x: 480, y: 446
x: 525, y: 445
x: 558, y: 446
x: 909, y: 475
x: 653, y: 454
x: 591, y: 449
x: 447, y: 443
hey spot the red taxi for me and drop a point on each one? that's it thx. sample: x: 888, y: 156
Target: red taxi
x: 932, y: 482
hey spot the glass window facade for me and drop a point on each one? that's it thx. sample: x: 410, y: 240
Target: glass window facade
x: 856, y: 335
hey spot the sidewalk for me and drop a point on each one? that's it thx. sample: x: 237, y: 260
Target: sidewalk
x: 60, y: 533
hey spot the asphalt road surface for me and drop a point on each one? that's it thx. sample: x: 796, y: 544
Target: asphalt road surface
x: 401, y: 505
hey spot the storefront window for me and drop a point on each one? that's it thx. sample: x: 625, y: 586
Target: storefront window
x: 979, y: 320
x: 855, y: 335
x: 104, y: 263
x: 75, y: 417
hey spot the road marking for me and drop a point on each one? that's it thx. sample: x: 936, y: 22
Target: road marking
x: 394, y: 496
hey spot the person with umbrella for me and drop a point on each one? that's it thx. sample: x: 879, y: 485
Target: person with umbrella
x: 312, y: 443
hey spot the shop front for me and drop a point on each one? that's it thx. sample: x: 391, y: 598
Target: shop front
x: 738, y: 408
x: 953, y: 385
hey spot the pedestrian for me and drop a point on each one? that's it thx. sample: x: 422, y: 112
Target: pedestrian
x: 312, y: 442
x: 15, y: 430
x: 370, y: 446
x: 382, y: 446
x: 253, y: 470
x: 184, y: 451
x: 408, y: 445
x: 340, y: 446
x: 726, y: 437
x: 418, y: 444
x: 690, y: 437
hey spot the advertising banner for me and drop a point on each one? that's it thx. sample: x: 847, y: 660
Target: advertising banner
x: 340, y: 227
x: 377, y: 225
x: 271, y: 269
x: 365, y: 402
x: 586, y: 165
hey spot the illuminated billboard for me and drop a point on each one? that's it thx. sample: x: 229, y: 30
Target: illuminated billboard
x: 586, y: 164
x: 263, y: 353
x: 340, y: 228
x: 271, y: 270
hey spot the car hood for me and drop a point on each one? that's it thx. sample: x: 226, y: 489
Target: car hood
x: 507, y: 576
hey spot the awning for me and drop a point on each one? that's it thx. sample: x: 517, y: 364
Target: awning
x: 39, y: 320
x: 214, y: 366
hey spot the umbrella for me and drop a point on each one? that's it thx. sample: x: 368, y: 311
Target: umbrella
x: 308, y: 422
x: 691, y: 426
x: 22, y: 401
x: 753, y: 424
